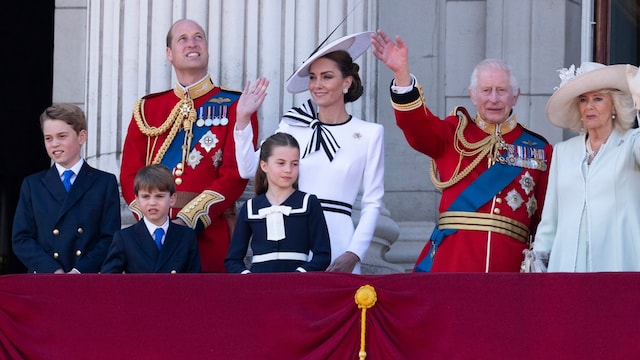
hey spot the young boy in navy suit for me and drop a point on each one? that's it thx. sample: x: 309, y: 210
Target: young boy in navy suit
x: 154, y: 244
x: 66, y: 215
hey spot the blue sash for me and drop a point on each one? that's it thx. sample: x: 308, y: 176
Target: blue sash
x: 478, y: 193
x: 215, y: 106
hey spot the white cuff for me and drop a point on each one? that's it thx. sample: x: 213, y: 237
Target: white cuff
x: 403, y: 89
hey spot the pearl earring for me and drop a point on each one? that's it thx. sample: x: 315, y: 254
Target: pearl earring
x: 344, y: 91
x: 613, y: 116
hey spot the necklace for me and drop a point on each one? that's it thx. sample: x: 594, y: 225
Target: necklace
x: 592, y: 153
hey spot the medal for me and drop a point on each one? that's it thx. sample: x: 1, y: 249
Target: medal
x: 224, y: 120
x: 200, y: 121
x: 208, y: 121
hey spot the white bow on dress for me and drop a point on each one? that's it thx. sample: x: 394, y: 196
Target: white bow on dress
x: 275, y: 220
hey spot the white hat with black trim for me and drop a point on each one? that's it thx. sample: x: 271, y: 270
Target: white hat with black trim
x: 355, y: 44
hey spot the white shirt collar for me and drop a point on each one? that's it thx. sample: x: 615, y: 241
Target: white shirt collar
x: 151, y: 227
x: 75, y: 168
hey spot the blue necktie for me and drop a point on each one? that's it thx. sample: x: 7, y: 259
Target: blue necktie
x: 158, y: 237
x: 66, y: 180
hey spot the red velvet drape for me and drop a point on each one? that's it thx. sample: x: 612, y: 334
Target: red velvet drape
x: 314, y: 316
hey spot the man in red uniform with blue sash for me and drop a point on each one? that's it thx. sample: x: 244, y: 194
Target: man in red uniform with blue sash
x: 190, y: 130
x: 492, y: 171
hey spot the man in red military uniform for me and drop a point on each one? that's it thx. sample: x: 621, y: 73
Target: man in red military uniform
x: 190, y: 130
x: 492, y: 172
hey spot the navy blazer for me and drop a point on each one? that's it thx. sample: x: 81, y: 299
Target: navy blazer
x: 53, y: 229
x: 133, y: 250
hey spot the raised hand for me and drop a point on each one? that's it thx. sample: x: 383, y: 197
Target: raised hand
x: 250, y: 101
x: 395, y: 55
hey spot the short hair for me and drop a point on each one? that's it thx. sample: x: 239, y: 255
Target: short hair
x: 154, y: 177
x: 260, y: 183
x: 69, y: 113
x: 493, y: 64
x: 170, y: 32
x: 347, y: 68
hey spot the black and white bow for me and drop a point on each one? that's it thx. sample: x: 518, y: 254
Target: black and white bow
x: 306, y: 115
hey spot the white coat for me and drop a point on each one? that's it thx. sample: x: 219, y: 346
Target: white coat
x: 608, y: 195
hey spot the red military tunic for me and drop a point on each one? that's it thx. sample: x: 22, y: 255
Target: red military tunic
x: 492, y: 237
x: 193, y: 136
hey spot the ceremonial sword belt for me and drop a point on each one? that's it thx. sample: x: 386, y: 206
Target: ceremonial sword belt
x: 464, y: 220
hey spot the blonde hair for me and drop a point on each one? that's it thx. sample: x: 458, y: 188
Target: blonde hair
x: 623, y: 106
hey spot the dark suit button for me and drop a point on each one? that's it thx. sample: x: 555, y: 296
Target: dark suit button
x: 78, y: 252
x: 56, y: 232
x: 80, y: 230
x: 56, y: 255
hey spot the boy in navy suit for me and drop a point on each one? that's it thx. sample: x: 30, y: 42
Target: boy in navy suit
x: 154, y: 244
x: 66, y: 215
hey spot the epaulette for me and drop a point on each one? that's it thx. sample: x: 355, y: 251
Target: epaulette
x: 460, y: 111
x: 150, y: 96
x: 535, y: 134
x: 238, y: 92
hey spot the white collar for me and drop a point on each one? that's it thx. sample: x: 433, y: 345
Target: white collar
x: 151, y: 227
x: 75, y: 168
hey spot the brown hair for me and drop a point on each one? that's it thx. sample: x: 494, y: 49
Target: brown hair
x: 348, y: 68
x: 154, y: 177
x: 69, y: 113
x: 260, y: 183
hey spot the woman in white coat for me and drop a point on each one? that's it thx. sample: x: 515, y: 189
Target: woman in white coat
x: 340, y: 154
x: 591, y: 216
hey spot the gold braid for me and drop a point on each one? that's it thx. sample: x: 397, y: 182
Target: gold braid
x: 478, y: 149
x: 185, y: 108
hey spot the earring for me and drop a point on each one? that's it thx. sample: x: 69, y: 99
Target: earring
x: 344, y: 91
x: 613, y: 116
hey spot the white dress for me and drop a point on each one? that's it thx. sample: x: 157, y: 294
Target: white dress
x: 358, y: 162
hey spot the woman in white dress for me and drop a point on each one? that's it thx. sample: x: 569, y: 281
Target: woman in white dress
x: 341, y: 154
x: 590, y: 221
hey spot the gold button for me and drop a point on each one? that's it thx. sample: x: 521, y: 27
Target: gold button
x: 178, y: 181
x: 56, y: 255
x: 80, y: 230
x: 499, y: 200
x: 496, y: 211
x: 179, y: 166
x: 178, y: 172
x: 173, y: 271
x: 56, y: 232
x: 78, y: 252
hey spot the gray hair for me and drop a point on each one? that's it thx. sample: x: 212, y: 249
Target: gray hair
x: 493, y: 64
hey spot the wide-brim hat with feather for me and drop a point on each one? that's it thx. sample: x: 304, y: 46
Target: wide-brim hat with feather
x: 355, y: 44
x: 562, y: 107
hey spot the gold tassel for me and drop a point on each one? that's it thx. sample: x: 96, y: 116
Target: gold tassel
x: 365, y: 298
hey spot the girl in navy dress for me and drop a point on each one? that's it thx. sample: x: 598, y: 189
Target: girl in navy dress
x: 285, y: 226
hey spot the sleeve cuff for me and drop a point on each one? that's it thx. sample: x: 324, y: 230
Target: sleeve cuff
x: 403, y: 89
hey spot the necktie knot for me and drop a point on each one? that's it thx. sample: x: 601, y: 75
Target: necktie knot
x: 66, y: 179
x: 158, y: 234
